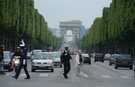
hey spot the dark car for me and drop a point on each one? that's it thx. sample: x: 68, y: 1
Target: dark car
x: 99, y: 57
x: 6, y: 61
x: 113, y: 59
x: 86, y: 58
x: 124, y: 60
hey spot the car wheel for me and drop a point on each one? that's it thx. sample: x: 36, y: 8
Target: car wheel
x: 116, y: 67
x: 110, y: 63
x: 60, y: 66
x: 9, y: 70
x: 32, y: 70
x: 131, y: 67
x: 52, y: 70
x: 89, y: 62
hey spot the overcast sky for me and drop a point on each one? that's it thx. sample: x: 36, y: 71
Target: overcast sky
x: 55, y: 11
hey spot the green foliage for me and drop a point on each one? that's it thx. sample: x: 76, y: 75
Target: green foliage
x: 115, y: 27
x: 19, y: 19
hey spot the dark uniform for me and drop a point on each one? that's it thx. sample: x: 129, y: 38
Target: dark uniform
x: 23, y: 63
x: 65, y: 59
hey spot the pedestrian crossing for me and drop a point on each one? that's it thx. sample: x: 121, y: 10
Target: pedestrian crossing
x: 82, y: 74
x: 106, y: 76
x: 43, y: 75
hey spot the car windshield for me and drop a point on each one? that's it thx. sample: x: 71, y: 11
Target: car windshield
x: 7, y: 56
x: 36, y: 56
x: 125, y: 56
x: 56, y: 55
x: 115, y: 55
x: 44, y: 56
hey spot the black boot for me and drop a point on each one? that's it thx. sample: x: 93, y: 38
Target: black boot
x: 65, y: 76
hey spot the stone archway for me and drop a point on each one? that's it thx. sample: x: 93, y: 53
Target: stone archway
x: 73, y: 26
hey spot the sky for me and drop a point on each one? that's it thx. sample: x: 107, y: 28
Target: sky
x: 55, y: 11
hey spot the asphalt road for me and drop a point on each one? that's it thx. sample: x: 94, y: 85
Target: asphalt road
x: 95, y: 75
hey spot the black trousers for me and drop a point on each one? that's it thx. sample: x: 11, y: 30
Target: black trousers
x: 19, y: 70
x: 66, y: 69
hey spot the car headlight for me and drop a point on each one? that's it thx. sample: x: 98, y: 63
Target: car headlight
x: 34, y: 63
x: 16, y: 61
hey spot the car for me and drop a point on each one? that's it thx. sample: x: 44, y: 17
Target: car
x: 113, y: 59
x: 99, y: 57
x: 41, y: 61
x: 7, y: 59
x: 107, y: 56
x: 124, y: 60
x: 35, y: 51
x: 86, y: 58
x: 56, y: 58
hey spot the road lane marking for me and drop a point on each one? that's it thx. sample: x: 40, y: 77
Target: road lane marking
x: 22, y: 75
x: 84, y: 74
x: 106, y: 76
x: 124, y: 77
x: 43, y: 75
x: 10, y: 74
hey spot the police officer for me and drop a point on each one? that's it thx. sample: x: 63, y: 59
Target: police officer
x: 65, y: 60
x: 23, y: 62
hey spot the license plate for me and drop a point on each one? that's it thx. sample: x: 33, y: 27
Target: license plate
x: 124, y: 62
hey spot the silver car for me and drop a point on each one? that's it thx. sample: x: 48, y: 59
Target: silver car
x: 112, y: 59
x: 7, y: 59
x: 124, y: 60
x: 41, y: 61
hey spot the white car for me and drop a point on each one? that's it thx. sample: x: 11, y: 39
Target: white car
x: 86, y: 58
x: 35, y: 51
x: 41, y: 61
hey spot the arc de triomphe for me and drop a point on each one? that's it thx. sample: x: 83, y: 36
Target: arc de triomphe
x: 73, y: 26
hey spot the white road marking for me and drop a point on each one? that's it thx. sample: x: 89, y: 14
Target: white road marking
x: 124, y: 77
x: 8, y: 74
x: 22, y: 75
x: 84, y: 74
x: 43, y: 75
x: 106, y: 76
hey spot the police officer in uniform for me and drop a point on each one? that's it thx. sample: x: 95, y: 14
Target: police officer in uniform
x: 65, y: 60
x: 23, y: 62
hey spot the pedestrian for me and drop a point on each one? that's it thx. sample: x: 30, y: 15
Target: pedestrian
x: 65, y: 60
x: 78, y: 62
x: 1, y: 59
x: 23, y: 62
